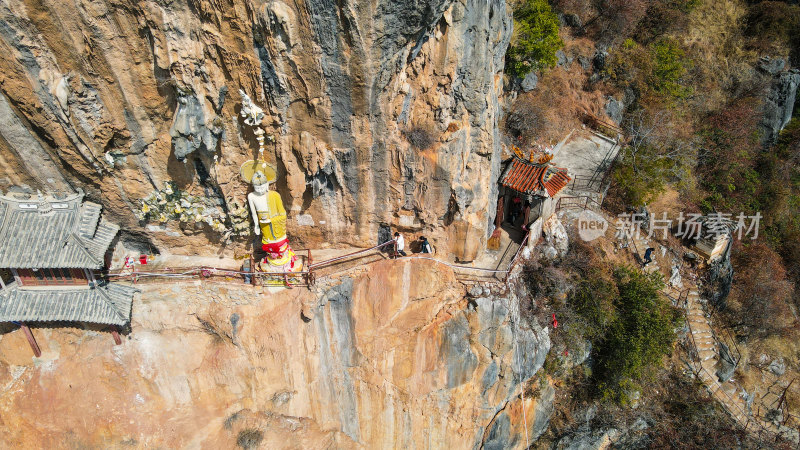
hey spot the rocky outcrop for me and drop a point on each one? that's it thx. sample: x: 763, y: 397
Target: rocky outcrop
x: 393, y: 357
x: 779, y: 104
x: 123, y: 98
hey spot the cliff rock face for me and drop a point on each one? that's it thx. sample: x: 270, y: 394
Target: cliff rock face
x: 381, y: 111
x: 392, y: 357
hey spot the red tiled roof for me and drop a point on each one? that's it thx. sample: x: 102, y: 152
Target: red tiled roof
x: 527, y: 177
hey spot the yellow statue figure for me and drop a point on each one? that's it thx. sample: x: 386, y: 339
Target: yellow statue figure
x: 269, y: 216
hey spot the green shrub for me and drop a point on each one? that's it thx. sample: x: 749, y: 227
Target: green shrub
x: 670, y: 66
x: 656, y: 71
x: 642, y: 334
x: 535, y: 40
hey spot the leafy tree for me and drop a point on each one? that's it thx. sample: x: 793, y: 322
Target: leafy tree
x: 535, y: 40
x: 594, y: 303
x: 656, y: 154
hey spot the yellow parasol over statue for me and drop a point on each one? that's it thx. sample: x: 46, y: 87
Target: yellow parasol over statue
x: 249, y: 168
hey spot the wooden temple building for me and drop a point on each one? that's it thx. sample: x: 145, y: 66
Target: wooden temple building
x: 50, y: 248
x: 528, y: 186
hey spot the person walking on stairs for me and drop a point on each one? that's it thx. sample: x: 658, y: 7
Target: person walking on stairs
x: 648, y: 256
x: 400, y: 244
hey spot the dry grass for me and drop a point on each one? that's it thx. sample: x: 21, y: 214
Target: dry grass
x: 561, y: 100
x: 716, y: 42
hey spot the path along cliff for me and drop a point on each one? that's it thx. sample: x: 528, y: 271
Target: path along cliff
x: 393, y: 354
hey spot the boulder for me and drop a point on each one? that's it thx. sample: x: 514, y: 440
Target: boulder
x: 529, y: 82
x: 771, y: 66
x: 675, y: 277
x: 777, y: 366
x: 588, y: 440
x: 544, y: 411
x: 555, y: 235
x: 727, y: 363
x: 615, y: 109
x: 585, y: 62
x: 562, y: 60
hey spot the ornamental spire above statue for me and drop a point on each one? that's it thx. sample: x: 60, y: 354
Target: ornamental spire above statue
x: 266, y: 206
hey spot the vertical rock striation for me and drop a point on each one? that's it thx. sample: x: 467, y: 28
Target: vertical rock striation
x: 394, y: 357
x: 123, y: 97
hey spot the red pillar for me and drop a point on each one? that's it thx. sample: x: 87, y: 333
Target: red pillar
x: 31, y: 340
x: 115, y: 334
x: 498, y: 218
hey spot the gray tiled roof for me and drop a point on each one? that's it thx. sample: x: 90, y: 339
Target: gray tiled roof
x: 109, y: 304
x: 66, y: 233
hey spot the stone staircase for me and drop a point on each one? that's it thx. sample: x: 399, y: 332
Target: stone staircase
x: 706, y: 360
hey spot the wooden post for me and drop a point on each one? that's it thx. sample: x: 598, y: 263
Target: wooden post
x: 252, y: 271
x: 31, y: 340
x: 309, y: 275
x: 115, y: 334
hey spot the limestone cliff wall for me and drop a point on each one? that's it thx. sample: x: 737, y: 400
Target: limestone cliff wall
x: 117, y: 98
x: 395, y: 357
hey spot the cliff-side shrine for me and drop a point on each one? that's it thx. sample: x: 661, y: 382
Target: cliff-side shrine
x: 528, y: 185
x: 50, y: 248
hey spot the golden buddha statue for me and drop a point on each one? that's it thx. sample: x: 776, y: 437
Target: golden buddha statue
x: 269, y: 217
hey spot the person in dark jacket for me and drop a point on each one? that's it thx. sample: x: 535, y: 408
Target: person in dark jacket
x: 425, y: 246
x: 648, y: 256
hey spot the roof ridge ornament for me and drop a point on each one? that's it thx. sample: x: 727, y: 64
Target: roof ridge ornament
x: 43, y: 206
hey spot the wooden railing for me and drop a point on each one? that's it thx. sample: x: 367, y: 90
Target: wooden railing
x: 602, y: 126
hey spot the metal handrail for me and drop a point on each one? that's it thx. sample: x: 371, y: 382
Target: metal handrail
x: 588, y: 183
x: 587, y: 200
x: 307, y: 273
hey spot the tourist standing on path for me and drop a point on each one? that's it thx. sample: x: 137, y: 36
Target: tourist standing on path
x: 400, y: 244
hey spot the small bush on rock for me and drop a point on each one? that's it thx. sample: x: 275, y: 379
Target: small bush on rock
x: 421, y: 137
x: 249, y: 438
